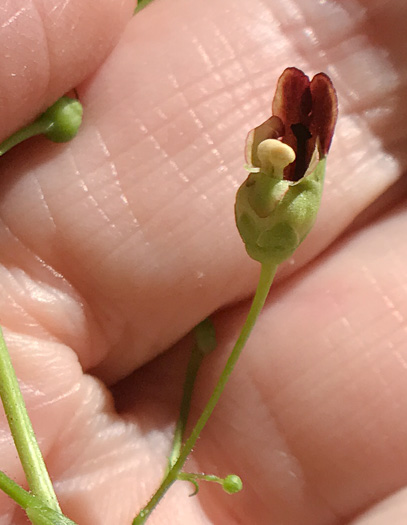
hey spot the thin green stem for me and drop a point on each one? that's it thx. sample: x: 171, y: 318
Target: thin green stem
x: 23, y: 433
x: 194, y: 364
x: 36, y: 128
x: 193, y: 478
x: 37, y: 513
x: 231, y: 484
x: 188, y: 476
x: 267, y: 273
x: 17, y: 493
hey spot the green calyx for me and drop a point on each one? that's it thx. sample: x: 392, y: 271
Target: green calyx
x: 274, y: 216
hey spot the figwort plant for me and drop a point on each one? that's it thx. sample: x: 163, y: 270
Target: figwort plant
x: 275, y: 209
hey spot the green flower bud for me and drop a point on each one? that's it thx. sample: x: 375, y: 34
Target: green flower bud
x: 232, y: 484
x: 59, y: 123
x: 62, y: 119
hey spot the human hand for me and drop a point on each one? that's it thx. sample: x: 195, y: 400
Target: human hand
x: 115, y: 245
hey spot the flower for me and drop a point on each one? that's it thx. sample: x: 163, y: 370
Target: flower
x: 277, y: 204
x: 304, y: 116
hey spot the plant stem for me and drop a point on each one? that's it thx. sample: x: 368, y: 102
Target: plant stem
x: 188, y: 476
x: 267, y: 273
x: 17, y: 493
x: 33, y: 129
x: 37, y: 513
x: 194, y: 364
x: 23, y: 433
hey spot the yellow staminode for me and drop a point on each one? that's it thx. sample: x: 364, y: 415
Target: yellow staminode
x: 274, y: 156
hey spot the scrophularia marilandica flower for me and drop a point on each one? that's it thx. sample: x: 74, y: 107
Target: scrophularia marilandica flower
x: 277, y: 204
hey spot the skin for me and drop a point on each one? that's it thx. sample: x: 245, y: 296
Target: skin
x: 115, y: 245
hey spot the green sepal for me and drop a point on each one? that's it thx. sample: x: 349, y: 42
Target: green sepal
x: 274, y: 216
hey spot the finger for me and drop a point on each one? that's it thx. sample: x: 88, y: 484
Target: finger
x: 302, y: 420
x: 154, y: 172
x: 48, y: 48
x: 23, y: 196
x: 391, y: 510
x: 96, y: 460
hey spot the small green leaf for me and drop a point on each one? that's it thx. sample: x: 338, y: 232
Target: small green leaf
x: 205, y: 336
x: 141, y: 4
x: 274, y: 216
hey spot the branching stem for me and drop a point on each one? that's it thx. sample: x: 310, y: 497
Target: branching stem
x: 23, y: 433
x: 267, y: 273
x: 194, y: 364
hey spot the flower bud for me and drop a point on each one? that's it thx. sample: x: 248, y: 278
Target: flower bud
x: 59, y: 123
x: 232, y: 484
x: 62, y: 120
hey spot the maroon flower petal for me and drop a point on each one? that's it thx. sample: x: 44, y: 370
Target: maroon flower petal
x: 324, y: 110
x: 292, y: 102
